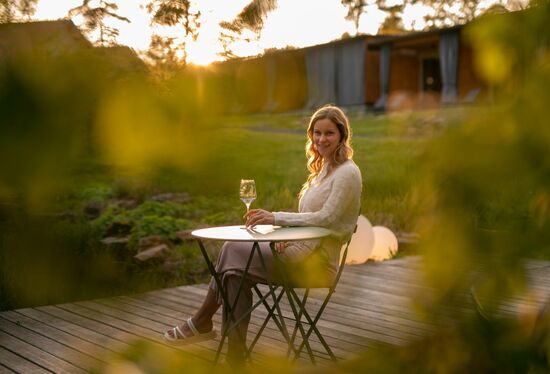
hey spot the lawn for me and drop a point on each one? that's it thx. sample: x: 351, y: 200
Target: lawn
x: 66, y: 240
x: 270, y: 149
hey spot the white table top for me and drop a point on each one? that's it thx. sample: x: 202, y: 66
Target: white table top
x: 261, y: 233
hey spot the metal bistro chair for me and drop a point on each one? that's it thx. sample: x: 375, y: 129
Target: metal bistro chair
x: 298, y: 305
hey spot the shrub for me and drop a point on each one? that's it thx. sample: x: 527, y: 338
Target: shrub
x: 155, y: 225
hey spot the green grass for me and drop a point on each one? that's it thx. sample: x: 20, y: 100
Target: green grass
x: 270, y: 149
x: 267, y: 148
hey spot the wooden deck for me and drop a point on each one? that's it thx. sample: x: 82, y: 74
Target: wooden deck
x: 372, y: 306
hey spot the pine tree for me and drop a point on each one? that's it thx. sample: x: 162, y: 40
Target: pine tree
x: 15, y: 10
x: 251, y: 19
x: 356, y: 8
x: 174, y: 13
x: 95, y: 19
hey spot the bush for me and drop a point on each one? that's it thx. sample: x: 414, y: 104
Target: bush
x: 155, y: 225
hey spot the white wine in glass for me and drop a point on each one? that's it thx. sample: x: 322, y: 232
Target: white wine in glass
x: 247, y: 192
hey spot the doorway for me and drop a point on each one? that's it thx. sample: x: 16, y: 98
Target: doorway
x: 431, y: 75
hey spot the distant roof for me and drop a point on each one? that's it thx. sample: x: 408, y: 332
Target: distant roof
x: 51, y: 36
x: 122, y: 57
x: 290, y: 50
x: 344, y: 40
x: 386, y: 39
x: 59, y: 37
x: 433, y: 33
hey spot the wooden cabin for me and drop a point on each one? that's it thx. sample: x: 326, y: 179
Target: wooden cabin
x: 293, y: 79
x: 411, y: 71
x: 421, y: 70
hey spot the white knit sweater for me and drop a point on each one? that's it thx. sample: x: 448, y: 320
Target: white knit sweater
x: 332, y: 201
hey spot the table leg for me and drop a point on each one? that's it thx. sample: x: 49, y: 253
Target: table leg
x: 287, y: 289
x: 227, y: 308
x: 228, y: 311
x: 272, y: 291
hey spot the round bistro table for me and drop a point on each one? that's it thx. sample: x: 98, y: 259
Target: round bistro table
x: 254, y: 235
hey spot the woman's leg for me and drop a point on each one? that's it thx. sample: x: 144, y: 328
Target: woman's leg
x: 231, y: 263
x: 232, y: 258
x: 237, y: 336
x: 202, y: 319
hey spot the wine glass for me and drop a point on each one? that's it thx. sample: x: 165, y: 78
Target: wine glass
x: 247, y: 192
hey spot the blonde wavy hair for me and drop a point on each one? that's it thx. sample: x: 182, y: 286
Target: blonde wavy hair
x: 344, y: 152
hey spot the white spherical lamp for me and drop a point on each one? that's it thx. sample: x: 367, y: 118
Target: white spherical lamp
x: 385, y: 244
x: 361, y: 243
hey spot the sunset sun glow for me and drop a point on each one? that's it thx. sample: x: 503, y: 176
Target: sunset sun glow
x: 294, y: 23
x: 291, y: 24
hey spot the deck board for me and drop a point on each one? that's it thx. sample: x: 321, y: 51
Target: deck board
x: 373, y: 305
x: 13, y: 363
x: 37, y: 353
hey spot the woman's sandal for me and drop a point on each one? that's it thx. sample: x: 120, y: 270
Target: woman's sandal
x: 179, y: 338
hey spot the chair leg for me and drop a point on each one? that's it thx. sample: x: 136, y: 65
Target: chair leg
x: 271, y: 315
x: 298, y: 320
x: 293, y: 297
x: 298, y: 306
x: 313, y: 326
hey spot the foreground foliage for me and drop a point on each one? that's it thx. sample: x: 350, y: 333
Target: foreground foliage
x: 478, y: 193
x: 483, y: 205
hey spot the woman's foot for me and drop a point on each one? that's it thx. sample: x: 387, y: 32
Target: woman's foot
x: 190, y: 332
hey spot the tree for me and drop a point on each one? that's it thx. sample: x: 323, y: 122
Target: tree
x: 253, y: 15
x: 7, y: 10
x: 229, y: 35
x: 393, y: 24
x: 27, y: 7
x: 163, y: 54
x: 444, y: 15
x: 173, y: 13
x: 356, y: 8
x: 12, y: 10
x: 445, y: 12
x: 162, y: 50
x: 251, y: 19
x: 95, y: 19
x: 449, y: 13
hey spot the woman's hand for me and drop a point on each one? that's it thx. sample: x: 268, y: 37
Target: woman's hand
x: 259, y: 217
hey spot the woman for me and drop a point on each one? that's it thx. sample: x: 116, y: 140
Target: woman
x: 330, y: 198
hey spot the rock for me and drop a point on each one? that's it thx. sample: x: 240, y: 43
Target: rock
x: 118, y: 228
x: 125, y: 203
x: 182, y: 197
x: 159, y: 251
x: 151, y: 241
x: 115, y: 240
